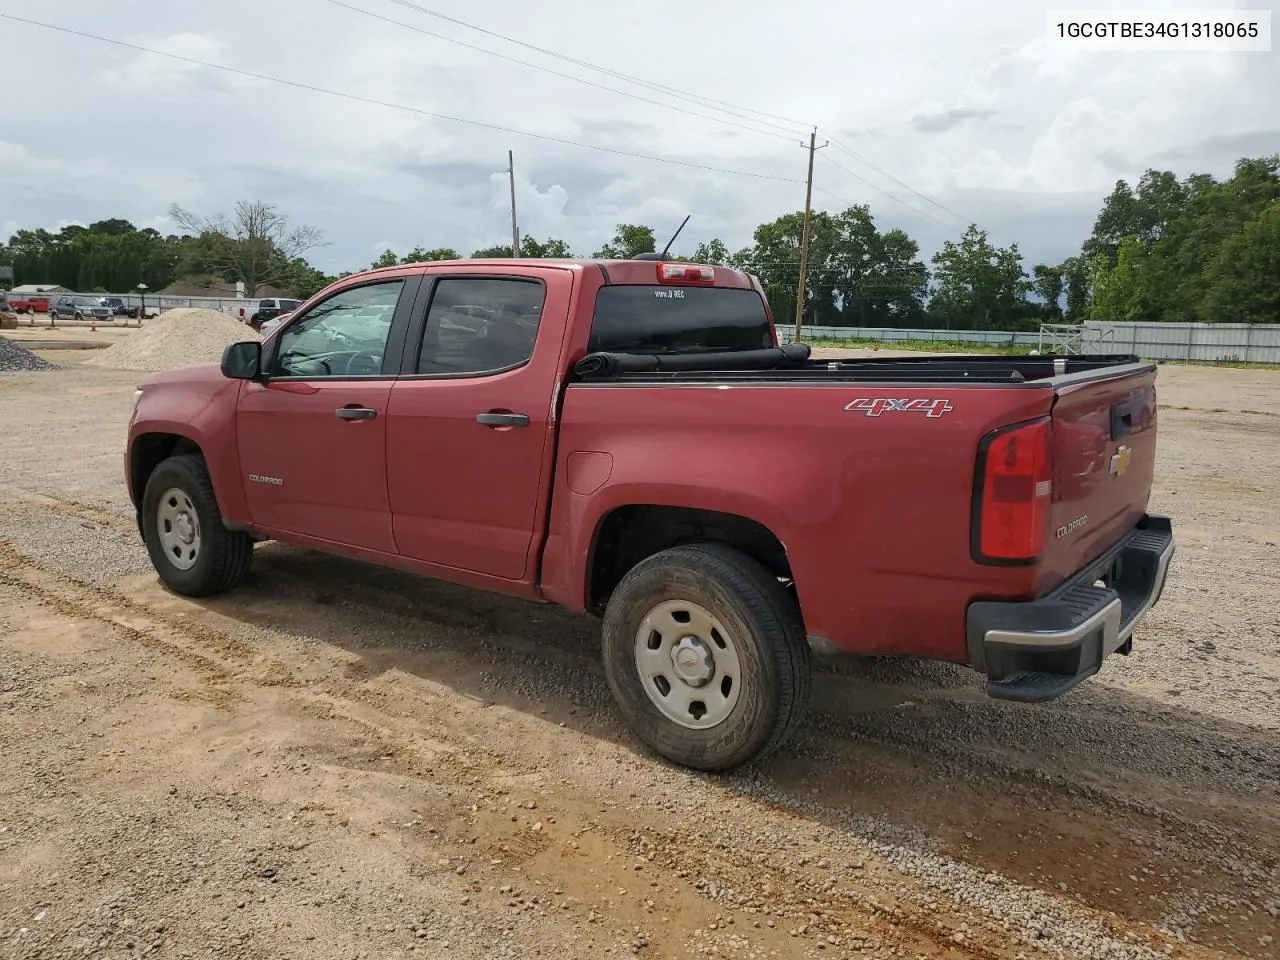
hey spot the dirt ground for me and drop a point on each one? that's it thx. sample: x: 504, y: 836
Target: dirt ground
x: 337, y: 762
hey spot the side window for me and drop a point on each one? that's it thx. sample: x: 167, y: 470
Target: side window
x: 343, y: 336
x: 480, y: 325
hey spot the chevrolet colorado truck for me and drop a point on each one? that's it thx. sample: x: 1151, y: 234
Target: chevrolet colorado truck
x: 627, y: 438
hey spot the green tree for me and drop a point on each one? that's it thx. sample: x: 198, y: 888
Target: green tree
x: 1242, y: 283
x: 978, y: 286
x: 418, y: 255
x: 629, y: 240
x: 1145, y: 213
x: 1075, y: 276
x: 495, y: 252
x: 1118, y: 293
x: 549, y: 249
x: 879, y: 279
x: 1048, y: 283
x: 387, y: 258
x: 255, y: 244
x: 713, y: 252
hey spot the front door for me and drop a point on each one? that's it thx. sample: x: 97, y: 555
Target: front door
x: 469, y: 432
x: 313, y: 434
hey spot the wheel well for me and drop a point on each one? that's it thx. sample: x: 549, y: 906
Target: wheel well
x: 632, y: 533
x: 149, y: 451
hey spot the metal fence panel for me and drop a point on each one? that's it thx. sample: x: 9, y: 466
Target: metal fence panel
x: 1201, y: 342
x: 786, y: 332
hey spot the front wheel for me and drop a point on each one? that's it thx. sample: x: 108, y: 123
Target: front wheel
x: 706, y: 656
x: 192, y: 551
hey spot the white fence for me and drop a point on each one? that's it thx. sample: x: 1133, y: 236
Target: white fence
x: 232, y: 306
x: 900, y: 335
x: 1202, y: 342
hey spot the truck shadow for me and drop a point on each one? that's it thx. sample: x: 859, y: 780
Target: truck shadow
x: 1086, y: 792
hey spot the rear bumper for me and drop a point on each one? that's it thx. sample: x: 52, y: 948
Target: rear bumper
x: 1037, y: 650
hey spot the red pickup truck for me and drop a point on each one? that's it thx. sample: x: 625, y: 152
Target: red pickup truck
x: 29, y: 304
x: 627, y: 438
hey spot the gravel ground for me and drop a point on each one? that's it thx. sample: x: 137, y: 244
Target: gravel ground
x: 14, y: 358
x: 176, y: 338
x: 336, y: 761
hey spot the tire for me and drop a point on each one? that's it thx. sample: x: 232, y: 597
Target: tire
x: 77, y: 317
x: 751, y: 617
x: 221, y: 557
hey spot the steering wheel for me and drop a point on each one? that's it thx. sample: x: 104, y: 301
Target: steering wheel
x: 374, y: 357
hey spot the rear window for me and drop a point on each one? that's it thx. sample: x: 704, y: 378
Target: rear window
x: 653, y: 318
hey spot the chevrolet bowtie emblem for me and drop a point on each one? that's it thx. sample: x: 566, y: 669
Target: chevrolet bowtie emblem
x: 1120, y: 461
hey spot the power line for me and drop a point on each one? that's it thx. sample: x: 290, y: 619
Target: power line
x: 688, y: 97
x: 863, y: 160
x: 921, y: 213
x: 680, y: 94
x: 297, y: 84
x: 556, y: 73
x: 672, y: 91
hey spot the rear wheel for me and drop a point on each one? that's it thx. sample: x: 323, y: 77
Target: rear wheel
x: 706, y: 656
x: 192, y: 551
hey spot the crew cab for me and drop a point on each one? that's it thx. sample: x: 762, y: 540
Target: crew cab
x: 28, y: 304
x: 627, y: 438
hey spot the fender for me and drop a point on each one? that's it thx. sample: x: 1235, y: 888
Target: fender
x: 784, y: 499
x: 191, y: 404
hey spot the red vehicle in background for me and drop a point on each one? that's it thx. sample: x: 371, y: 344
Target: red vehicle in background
x: 627, y: 438
x: 29, y: 304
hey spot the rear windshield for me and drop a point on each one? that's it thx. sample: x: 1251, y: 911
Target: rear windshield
x: 670, y: 319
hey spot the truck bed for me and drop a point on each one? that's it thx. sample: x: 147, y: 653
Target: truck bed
x: 779, y: 366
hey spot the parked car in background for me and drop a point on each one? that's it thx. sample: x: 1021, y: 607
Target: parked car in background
x: 269, y: 325
x: 29, y: 304
x: 270, y: 308
x: 79, y: 308
x: 4, y: 302
x: 118, y: 307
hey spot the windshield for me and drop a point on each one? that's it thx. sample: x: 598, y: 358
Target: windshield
x: 670, y: 319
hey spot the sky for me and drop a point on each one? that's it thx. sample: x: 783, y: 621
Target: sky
x: 936, y: 114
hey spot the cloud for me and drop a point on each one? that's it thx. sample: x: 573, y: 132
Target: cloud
x: 944, y: 120
x: 978, y: 112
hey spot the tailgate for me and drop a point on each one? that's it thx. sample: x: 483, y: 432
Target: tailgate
x: 1104, y: 452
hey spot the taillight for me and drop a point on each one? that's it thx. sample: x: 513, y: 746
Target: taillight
x: 686, y: 273
x: 1013, y: 494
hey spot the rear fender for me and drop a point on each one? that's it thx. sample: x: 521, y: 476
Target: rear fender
x: 577, y: 520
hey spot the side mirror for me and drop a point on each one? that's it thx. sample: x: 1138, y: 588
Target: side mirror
x: 242, y: 360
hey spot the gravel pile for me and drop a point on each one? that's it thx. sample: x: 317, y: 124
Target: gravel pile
x: 176, y: 338
x: 14, y: 358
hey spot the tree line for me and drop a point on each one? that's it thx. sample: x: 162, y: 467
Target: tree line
x: 1196, y: 249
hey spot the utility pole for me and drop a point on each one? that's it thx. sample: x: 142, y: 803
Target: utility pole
x: 515, y: 230
x: 804, y: 235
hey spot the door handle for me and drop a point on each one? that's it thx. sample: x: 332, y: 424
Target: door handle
x: 493, y: 419
x: 355, y: 413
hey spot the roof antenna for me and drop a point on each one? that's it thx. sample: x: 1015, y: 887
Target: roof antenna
x: 667, y: 248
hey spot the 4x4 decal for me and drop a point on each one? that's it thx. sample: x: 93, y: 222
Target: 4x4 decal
x: 875, y: 406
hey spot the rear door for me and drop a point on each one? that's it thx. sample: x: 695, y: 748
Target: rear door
x: 470, y: 425
x: 1104, y: 437
x: 313, y: 436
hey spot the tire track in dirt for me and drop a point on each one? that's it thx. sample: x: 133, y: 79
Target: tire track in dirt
x: 236, y: 661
